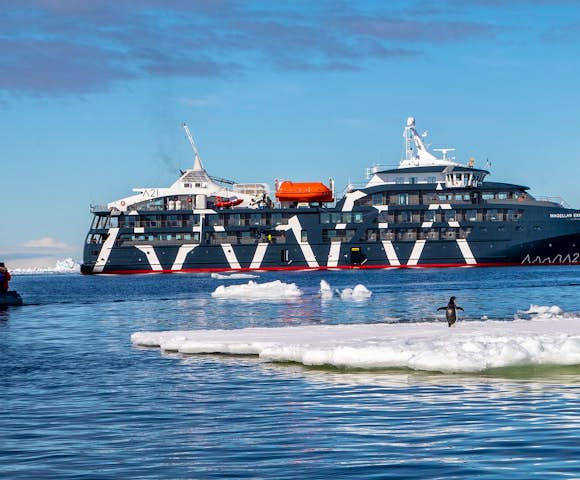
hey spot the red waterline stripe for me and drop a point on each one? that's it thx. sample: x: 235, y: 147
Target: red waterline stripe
x: 324, y: 268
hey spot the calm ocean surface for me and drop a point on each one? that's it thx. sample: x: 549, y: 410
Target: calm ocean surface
x: 78, y: 400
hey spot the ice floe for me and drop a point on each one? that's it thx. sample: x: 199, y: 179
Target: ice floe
x: 253, y: 290
x: 431, y: 346
x: 233, y: 276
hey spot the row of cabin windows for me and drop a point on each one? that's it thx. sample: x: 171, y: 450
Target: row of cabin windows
x: 247, y: 219
x: 244, y: 238
x: 341, y: 217
x: 412, y: 234
x: 146, y: 221
x: 420, y: 216
x: 427, y: 198
x: 129, y: 238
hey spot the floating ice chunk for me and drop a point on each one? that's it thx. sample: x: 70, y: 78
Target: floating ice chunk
x: 325, y: 290
x: 252, y: 290
x: 545, y: 311
x: 474, y: 347
x: 359, y: 292
x: 232, y: 276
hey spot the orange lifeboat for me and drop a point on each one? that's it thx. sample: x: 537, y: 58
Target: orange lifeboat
x: 303, y: 192
x: 227, y: 202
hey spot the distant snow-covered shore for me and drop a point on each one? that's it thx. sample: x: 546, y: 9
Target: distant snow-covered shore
x: 68, y: 265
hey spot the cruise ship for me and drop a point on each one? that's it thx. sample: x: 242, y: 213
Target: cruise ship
x: 428, y: 212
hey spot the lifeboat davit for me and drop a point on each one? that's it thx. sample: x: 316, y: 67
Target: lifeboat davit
x: 227, y: 202
x: 303, y: 192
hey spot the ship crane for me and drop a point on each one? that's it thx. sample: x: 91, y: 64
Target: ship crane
x: 197, y: 161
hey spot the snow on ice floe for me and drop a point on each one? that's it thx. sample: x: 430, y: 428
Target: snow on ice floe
x: 68, y: 265
x: 359, y: 292
x: 431, y: 346
x: 232, y: 276
x: 275, y: 290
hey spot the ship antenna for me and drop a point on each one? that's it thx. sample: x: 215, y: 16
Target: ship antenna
x: 197, y: 161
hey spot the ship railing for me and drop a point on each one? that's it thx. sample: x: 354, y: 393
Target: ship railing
x: 98, y: 208
x: 557, y: 200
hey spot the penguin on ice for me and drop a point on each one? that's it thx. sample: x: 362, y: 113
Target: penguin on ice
x: 451, y: 311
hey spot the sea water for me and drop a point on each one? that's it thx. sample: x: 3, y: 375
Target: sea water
x: 79, y: 400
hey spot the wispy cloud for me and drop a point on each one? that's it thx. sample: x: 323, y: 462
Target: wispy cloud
x: 47, y: 243
x: 57, y: 47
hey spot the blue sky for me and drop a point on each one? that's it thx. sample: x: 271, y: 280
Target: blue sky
x: 93, y: 95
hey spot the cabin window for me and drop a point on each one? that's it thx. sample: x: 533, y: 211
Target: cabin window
x: 399, y: 180
x: 429, y: 234
x: 471, y: 215
x: 246, y: 238
x: 413, y: 180
x: 492, y: 215
x: 487, y: 196
x: 372, y: 235
x: 450, y: 216
x: 513, y: 215
x: 407, y: 235
x: 403, y: 217
x: 304, y: 236
x: 357, y: 217
x: 325, y: 218
x: 431, y: 179
x: 502, y: 195
x: 346, y: 218
x: 430, y: 216
x: 403, y: 199
x: 95, y: 238
x: 379, y: 199
x: 448, y: 234
x: 387, y: 234
x: 234, y: 220
x: 276, y: 219
x: 255, y: 219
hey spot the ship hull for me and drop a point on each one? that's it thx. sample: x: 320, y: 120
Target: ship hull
x: 557, y: 245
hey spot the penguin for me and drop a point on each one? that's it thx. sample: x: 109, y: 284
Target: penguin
x: 451, y: 311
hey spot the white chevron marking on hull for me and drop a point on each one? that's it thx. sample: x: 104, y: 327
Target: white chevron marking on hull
x: 390, y: 251
x: 333, y: 254
x: 231, y: 255
x: 151, y: 257
x: 351, y: 197
x: 416, y: 253
x: 106, y: 250
x: 304, y: 246
x: 466, y: 252
x: 181, y: 255
x: 259, y: 255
